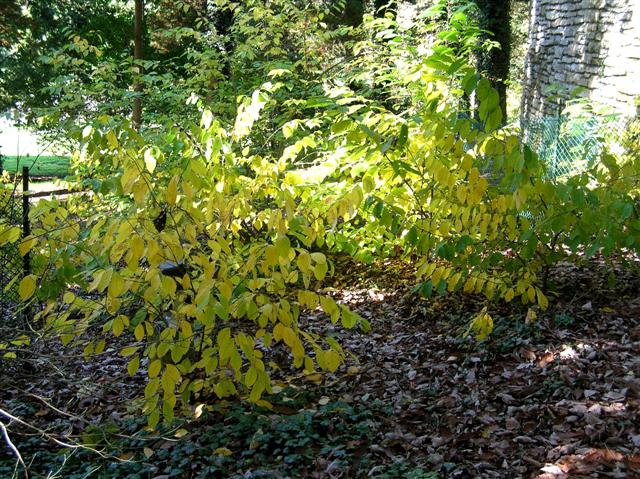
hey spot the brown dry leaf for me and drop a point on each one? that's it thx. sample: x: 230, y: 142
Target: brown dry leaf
x: 596, y: 455
x: 546, y: 359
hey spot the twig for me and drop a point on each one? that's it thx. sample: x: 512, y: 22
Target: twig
x: 59, y: 411
x: 14, y: 449
x: 58, y: 441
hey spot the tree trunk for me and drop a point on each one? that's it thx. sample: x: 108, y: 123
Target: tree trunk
x: 136, y: 117
x: 496, y: 17
x: 224, y: 23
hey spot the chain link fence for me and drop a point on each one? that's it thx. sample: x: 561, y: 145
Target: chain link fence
x: 570, y: 145
x: 14, y: 210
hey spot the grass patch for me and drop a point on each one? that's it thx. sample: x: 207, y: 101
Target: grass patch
x: 38, y: 166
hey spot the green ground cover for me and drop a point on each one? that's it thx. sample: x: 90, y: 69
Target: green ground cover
x: 38, y: 166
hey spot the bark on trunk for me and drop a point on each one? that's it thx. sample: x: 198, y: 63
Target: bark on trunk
x: 496, y: 17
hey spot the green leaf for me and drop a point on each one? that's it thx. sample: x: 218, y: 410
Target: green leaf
x: 427, y: 289
x: 412, y: 236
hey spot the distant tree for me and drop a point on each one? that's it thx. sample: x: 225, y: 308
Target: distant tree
x: 136, y: 118
x: 495, y: 17
x: 30, y: 30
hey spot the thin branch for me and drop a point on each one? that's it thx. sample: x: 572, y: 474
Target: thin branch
x: 48, y: 436
x: 14, y: 449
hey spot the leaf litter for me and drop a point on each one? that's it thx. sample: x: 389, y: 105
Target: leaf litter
x: 556, y: 398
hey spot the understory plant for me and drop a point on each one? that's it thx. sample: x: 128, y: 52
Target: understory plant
x: 203, y: 241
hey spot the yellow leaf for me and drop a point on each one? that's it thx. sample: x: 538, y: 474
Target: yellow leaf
x: 531, y: 294
x: 9, y: 235
x: 100, y: 347
x: 172, y: 372
x: 531, y: 317
x: 117, y: 326
x: 332, y: 360
x: 116, y: 286
x: 467, y: 162
x: 172, y: 191
x: 154, y: 368
x: 223, y: 451
x: 133, y: 366
x: 139, y: 191
x: 278, y: 331
x: 103, y: 279
x: 128, y: 178
x: 148, y: 452
x: 289, y: 337
x: 149, y: 160
x: 314, y: 378
x: 509, y: 295
x: 112, y: 140
x: 251, y: 377
x: 168, y: 385
x: 271, y: 255
x: 474, y: 175
x: 320, y: 271
x: 283, y: 245
x: 482, y: 325
x: 139, y: 332
x: 265, y: 404
x: 330, y: 307
x: 319, y: 257
x: 128, y: 351
x: 543, y: 302
x: 27, y: 287
x: 461, y: 194
x: 137, y: 246
x: 26, y: 245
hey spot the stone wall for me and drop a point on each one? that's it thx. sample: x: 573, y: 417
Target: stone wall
x: 594, y: 44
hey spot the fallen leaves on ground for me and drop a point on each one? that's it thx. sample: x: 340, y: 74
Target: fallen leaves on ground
x: 557, y: 398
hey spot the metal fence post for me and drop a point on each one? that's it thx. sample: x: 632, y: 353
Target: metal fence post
x: 26, y: 226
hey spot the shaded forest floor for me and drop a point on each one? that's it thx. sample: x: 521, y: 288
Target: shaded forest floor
x: 558, y: 398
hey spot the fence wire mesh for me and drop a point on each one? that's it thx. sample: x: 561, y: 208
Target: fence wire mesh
x: 11, y: 262
x: 570, y: 145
